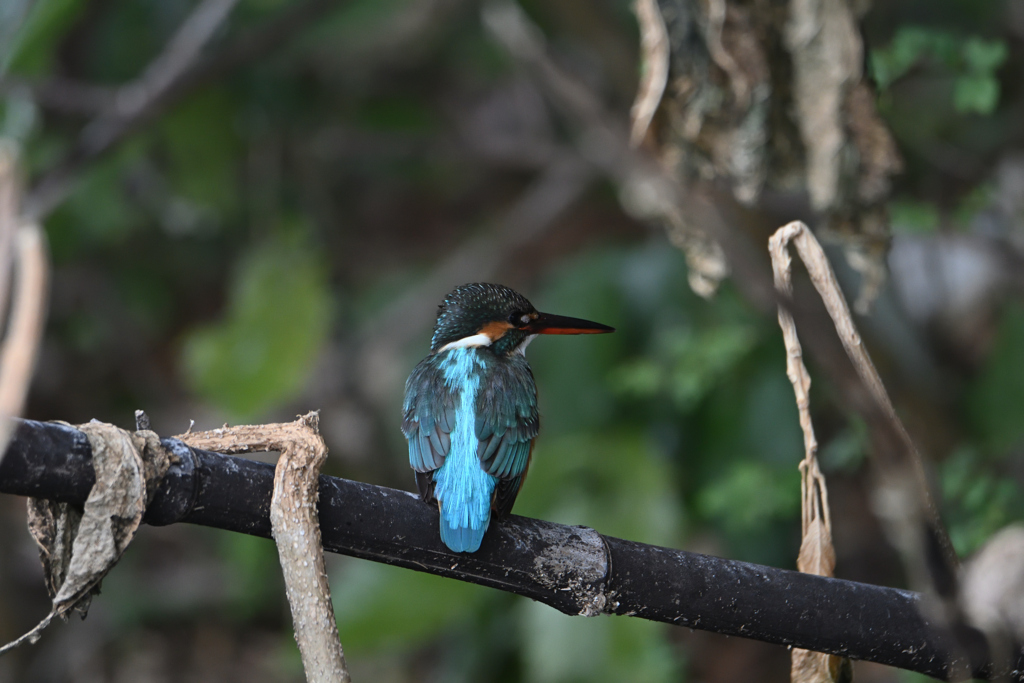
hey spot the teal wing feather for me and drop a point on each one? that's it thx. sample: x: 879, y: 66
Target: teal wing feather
x: 428, y: 418
x: 506, y: 425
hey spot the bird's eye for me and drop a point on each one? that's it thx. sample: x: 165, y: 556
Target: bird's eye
x: 518, y: 319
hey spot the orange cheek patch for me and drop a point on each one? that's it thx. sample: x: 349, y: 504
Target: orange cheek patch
x: 496, y: 329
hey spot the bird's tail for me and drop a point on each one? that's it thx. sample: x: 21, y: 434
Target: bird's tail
x: 460, y: 535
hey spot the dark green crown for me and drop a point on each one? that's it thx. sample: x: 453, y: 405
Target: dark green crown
x: 468, y: 308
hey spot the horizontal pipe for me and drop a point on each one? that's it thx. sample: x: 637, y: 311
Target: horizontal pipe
x: 573, y: 569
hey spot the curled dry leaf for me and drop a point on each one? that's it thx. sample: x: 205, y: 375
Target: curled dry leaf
x: 53, y: 527
x: 78, y: 549
x: 817, y: 555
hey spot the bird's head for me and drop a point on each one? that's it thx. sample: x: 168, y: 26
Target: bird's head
x: 499, y: 318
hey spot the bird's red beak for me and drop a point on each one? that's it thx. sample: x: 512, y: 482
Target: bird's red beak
x: 546, y: 323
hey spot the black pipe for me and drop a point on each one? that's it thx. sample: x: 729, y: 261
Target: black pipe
x: 573, y: 569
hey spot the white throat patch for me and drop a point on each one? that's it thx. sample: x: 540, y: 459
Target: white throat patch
x: 521, y: 349
x: 467, y: 342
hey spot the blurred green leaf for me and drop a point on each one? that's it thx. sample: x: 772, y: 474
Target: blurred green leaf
x: 32, y: 48
x: 972, y: 61
x: 203, y: 149
x: 277, y: 318
x: 358, y: 20
x: 100, y: 213
x: 912, y: 677
x: 847, y: 450
x: 975, y: 94
x: 85, y: 332
x: 640, y: 377
x: 689, y: 364
x: 147, y: 294
x: 995, y: 401
x: 380, y: 607
x: 978, y: 502
x: 621, y: 485
x: 126, y: 40
x: 909, y: 44
x: 769, y: 420
x: 974, y: 202
x: 984, y: 56
x: 396, y: 114
x: 600, y: 480
x: 702, y: 358
x: 255, y: 575
x: 913, y: 217
x: 558, y: 648
x: 571, y: 371
x: 749, y: 494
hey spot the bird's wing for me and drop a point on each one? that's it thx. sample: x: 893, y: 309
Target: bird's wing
x: 428, y: 418
x: 506, y: 424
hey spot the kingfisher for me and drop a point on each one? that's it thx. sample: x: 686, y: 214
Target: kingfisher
x: 470, y: 410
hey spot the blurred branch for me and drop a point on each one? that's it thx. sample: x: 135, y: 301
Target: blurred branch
x: 10, y: 188
x: 63, y: 94
x: 25, y: 325
x: 23, y: 246
x: 573, y: 569
x: 175, y: 73
x: 561, y: 184
x: 181, y: 51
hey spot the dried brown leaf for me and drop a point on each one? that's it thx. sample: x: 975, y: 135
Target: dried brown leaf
x: 112, y: 512
x: 817, y: 556
x: 53, y: 527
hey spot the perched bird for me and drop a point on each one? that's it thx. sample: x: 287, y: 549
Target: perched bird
x: 470, y: 411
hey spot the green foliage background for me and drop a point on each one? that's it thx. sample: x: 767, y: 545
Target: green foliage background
x: 224, y: 262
